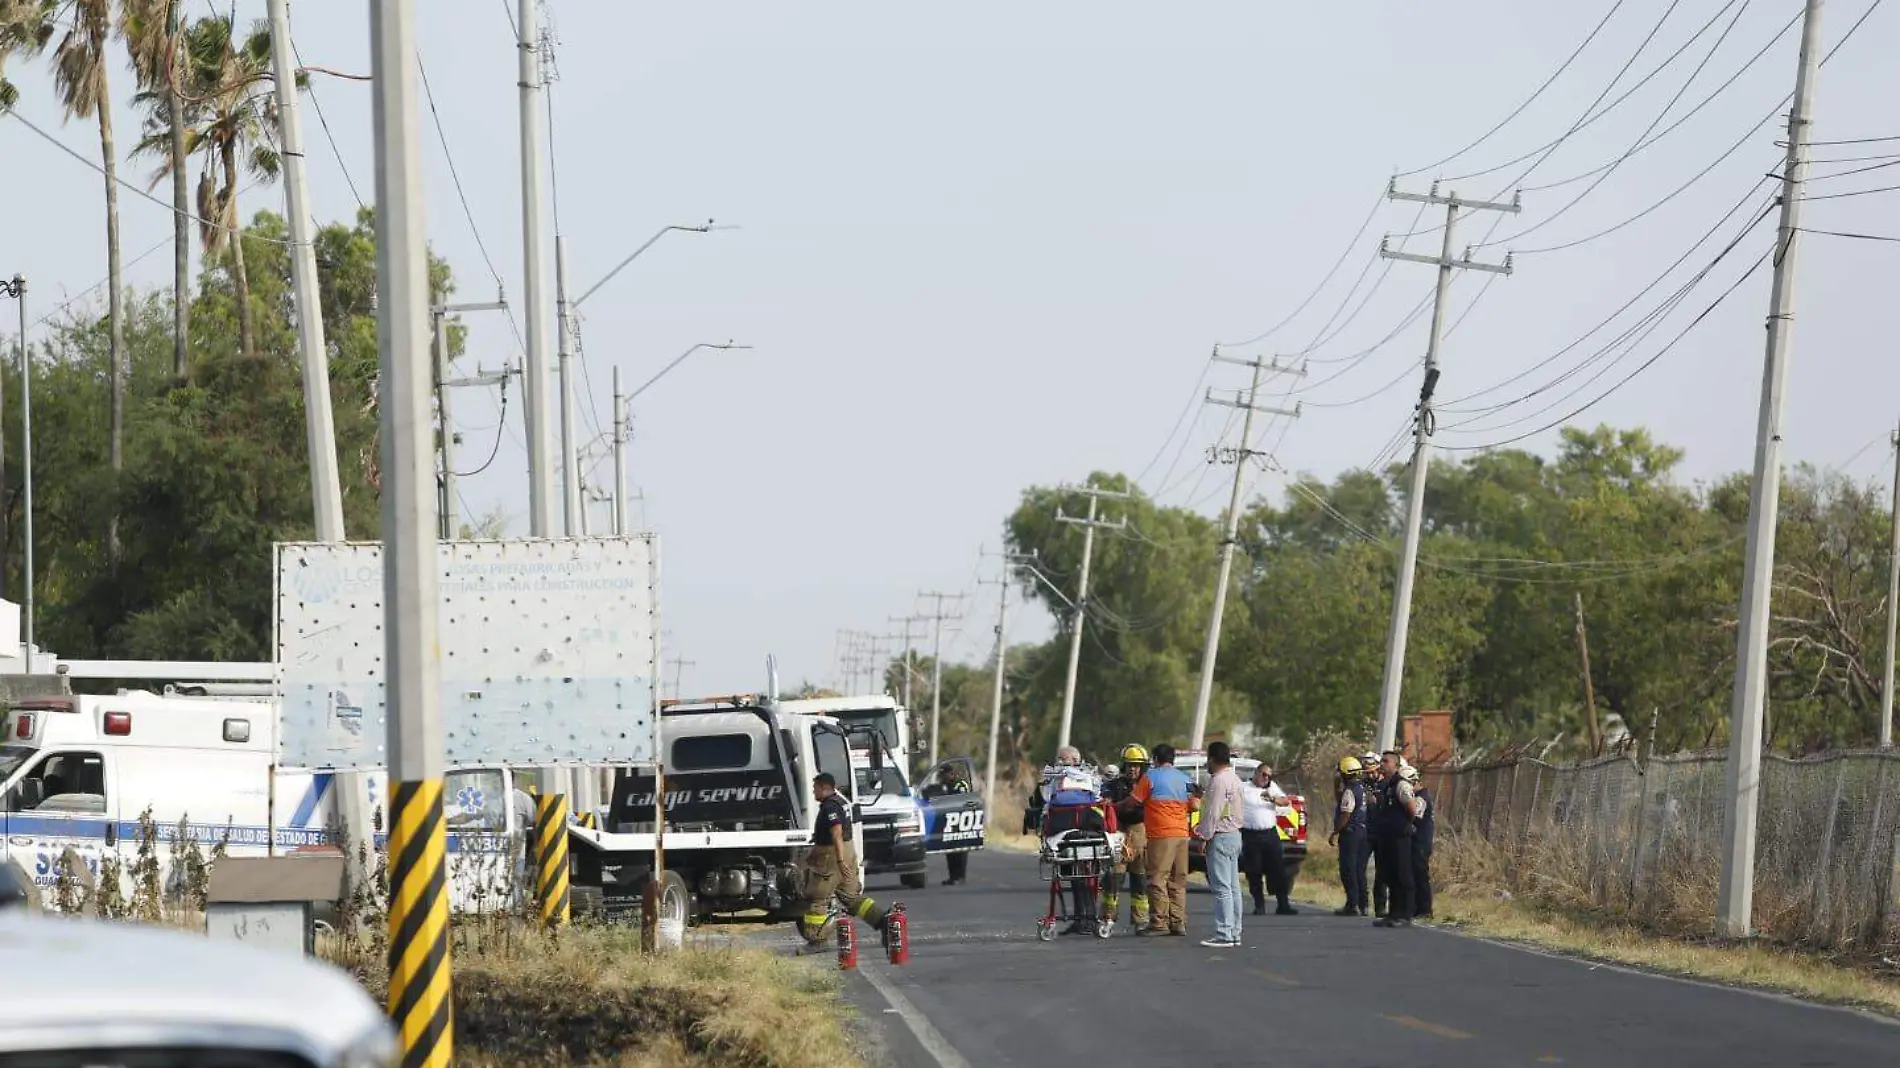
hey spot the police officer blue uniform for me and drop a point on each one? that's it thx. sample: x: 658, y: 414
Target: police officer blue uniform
x: 1349, y: 833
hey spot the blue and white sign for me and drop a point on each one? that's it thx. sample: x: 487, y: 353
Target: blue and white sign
x: 550, y: 652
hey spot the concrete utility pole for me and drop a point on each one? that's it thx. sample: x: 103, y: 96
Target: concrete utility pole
x: 1249, y: 404
x: 1002, y: 664
x: 571, y: 507
x: 17, y: 290
x: 1593, y: 725
x: 418, y: 842
x: 1735, y: 899
x: 620, y: 457
x: 1421, y: 441
x: 535, y: 380
x: 1893, y: 606
x: 326, y: 486
x: 679, y: 674
x: 937, y: 618
x: 910, y: 662
x: 1088, y: 526
x: 449, y: 526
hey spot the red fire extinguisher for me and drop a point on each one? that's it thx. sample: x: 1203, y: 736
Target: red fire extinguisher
x: 847, y: 944
x: 897, y: 935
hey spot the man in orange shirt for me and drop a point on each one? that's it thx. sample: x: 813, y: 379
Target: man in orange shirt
x: 1165, y: 803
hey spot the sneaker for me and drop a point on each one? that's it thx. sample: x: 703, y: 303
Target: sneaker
x: 1220, y: 943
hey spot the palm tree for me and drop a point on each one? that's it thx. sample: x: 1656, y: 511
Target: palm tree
x: 26, y: 27
x: 151, y: 30
x: 80, y: 64
x: 226, y: 118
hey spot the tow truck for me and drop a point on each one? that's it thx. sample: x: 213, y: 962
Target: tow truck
x: 738, y: 811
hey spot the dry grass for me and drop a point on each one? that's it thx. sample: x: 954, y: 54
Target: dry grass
x: 587, y: 996
x: 1468, y: 893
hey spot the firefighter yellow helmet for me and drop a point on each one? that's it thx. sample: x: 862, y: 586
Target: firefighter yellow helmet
x: 1349, y: 765
x: 1135, y: 755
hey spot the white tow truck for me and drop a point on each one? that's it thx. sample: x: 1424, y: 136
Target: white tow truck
x: 738, y: 809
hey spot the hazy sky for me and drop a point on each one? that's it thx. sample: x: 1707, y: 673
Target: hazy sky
x: 991, y: 245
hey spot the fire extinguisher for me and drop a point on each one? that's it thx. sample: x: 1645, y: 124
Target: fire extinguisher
x: 897, y: 935
x: 847, y: 944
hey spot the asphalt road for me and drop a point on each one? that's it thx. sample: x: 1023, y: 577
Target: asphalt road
x: 1312, y: 989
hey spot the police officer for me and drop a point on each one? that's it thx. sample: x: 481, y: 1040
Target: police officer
x: 1134, y: 839
x: 1349, y: 834
x: 1374, y: 882
x: 950, y: 783
x: 832, y: 864
x: 1393, y: 829
x: 1421, y: 845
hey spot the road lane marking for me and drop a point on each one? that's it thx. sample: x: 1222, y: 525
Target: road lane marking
x: 1274, y: 977
x: 927, y: 1036
x: 1427, y: 1026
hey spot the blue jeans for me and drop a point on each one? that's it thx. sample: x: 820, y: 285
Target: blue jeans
x: 1223, y: 877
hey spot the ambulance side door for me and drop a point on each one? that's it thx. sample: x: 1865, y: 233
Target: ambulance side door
x: 62, y: 801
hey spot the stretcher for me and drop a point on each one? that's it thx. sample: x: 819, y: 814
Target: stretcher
x: 1080, y: 860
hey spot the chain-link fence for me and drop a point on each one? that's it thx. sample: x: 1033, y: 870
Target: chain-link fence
x: 1645, y: 840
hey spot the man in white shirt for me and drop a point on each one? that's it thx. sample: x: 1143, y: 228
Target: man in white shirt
x: 1260, y: 852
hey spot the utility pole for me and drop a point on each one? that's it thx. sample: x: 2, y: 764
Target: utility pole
x: 572, y: 515
x: 1422, y: 433
x: 535, y: 379
x: 449, y: 526
x: 418, y: 842
x: 1002, y: 663
x: 1593, y: 724
x: 910, y: 664
x: 620, y: 457
x: 1735, y: 899
x: 679, y: 674
x: 1249, y: 404
x: 937, y: 618
x: 17, y: 290
x: 1088, y: 526
x: 319, y: 422
x: 1893, y: 605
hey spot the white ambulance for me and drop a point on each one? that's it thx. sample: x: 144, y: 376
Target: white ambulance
x: 78, y: 771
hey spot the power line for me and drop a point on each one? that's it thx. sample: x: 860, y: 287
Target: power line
x: 327, y: 135
x: 1528, y: 101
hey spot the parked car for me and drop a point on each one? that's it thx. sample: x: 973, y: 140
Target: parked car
x: 1292, y: 815
x: 108, y: 993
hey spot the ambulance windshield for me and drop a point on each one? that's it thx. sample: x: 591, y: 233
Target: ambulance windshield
x: 13, y: 758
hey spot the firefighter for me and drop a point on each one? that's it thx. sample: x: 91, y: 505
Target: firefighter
x: 1424, y: 821
x: 1134, y: 863
x: 832, y: 865
x: 950, y: 783
x: 1349, y: 834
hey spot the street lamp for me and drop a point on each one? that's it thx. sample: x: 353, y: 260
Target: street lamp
x: 17, y: 290
x: 621, y: 418
x: 662, y: 232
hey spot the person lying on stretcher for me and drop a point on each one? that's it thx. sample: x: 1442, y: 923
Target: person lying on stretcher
x: 1070, y: 798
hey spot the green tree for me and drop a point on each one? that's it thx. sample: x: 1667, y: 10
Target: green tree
x: 152, y: 34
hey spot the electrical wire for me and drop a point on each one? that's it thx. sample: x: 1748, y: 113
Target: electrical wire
x: 324, y: 122
x: 1627, y: 341
x: 1851, y: 193
x: 1451, y: 405
x: 135, y: 189
x: 1528, y: 101
x: 496, y: 449
x: 1194, y: 399
x: 1377, y: 203
x: 1626, y: 379
x: 1844, y: 233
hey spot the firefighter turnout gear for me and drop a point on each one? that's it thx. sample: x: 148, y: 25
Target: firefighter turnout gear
x: 1132, y: 867
x: 831, y: 868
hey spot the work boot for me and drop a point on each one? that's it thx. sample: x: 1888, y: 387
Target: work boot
x: 1260, y: 908
x: 1348, y: 910
x: 1286, y: 910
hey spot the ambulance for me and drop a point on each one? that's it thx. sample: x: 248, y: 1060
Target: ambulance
x: 79, y: 771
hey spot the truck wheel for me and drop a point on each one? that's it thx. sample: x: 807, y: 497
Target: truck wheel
x: 587, y: 902
x: 676, y: 904
x: 917, y: 881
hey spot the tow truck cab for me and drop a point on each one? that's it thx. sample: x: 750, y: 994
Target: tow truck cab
x: 738, y: 810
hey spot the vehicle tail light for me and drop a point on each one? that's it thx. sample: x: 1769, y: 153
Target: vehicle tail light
x: 118, y: 723
x: 23, y: 725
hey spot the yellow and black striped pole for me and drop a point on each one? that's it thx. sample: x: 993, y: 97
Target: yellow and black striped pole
x: 550, y: 858
x: 588, y: 820
x: 419, y: 999
x: 419, y: 923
